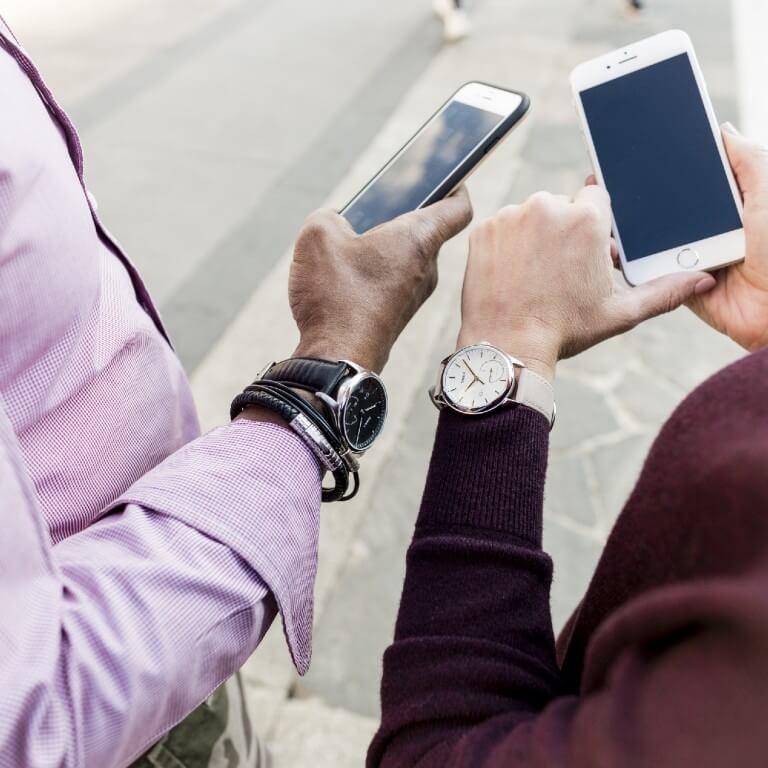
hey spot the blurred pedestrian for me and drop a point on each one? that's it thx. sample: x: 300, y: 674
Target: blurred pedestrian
x: 456, y: 25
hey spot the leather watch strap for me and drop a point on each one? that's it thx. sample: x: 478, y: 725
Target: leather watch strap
x: 309, y: 373
x: 535, y: 392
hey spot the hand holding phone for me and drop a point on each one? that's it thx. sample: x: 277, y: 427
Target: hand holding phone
x: 440, y: 156
x: 738, y: 304
x: 351, y: 295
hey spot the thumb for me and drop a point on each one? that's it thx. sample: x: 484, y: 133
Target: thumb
x: 442, y: 220
x: 662, y: 295
x: 749, y: 161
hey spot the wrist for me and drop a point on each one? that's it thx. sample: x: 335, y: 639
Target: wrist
x: 536, y: 350
x: 259, y: 413
x: 325, y: 349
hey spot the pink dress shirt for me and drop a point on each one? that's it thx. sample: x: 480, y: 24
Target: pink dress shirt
x: 140, y: 564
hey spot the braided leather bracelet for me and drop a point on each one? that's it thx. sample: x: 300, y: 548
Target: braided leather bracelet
x: 318, y: 422
x: 310, y: 426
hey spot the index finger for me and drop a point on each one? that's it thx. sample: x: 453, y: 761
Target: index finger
x: 597, y: 198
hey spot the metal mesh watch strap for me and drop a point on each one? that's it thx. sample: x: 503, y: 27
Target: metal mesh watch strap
x: 309, y: 373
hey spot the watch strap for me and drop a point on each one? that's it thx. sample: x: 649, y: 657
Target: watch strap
x: 309, y: 373
x: 535, y: 392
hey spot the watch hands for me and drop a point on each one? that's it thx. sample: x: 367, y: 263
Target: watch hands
x: 475, y: 376
x: 469, y: 368
x: 359, y: 430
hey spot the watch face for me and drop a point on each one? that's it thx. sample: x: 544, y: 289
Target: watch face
x: 477, y: 378
x: 364, y: 413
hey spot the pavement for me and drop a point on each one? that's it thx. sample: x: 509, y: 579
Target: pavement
x: 212, y: 129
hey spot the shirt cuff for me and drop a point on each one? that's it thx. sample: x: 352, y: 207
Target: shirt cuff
x: 255, y: 487
x: 488, y: 472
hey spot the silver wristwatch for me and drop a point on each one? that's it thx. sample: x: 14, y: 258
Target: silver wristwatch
x: 480, y: 378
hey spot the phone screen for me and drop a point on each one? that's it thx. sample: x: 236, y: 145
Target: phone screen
x: 423, y: 166
x: 659, y: 159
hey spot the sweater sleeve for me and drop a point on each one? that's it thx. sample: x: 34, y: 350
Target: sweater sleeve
x: 674, y: 675
x: 474, y: 636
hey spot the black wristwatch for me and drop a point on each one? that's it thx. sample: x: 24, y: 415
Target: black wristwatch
x: 355, y: 398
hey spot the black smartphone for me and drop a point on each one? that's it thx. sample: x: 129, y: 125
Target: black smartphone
x: 440, y: 156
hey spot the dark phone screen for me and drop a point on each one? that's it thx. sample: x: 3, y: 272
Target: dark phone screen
x: 659, y: 159
x: 429, y: 160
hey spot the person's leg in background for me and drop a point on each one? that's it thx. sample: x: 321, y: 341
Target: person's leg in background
x: 218, y: 734
x: 456, y: 24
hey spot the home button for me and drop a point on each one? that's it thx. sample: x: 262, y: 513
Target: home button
x: 688, y: 258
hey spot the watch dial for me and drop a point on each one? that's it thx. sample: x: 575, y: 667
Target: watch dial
x: 476, y: 378
x: 364, y: 413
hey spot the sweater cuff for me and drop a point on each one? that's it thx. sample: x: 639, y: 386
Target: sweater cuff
x: 488, y: 472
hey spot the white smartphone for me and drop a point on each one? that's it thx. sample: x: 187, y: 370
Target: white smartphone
x: 656, y: 146
x: 440, y: 156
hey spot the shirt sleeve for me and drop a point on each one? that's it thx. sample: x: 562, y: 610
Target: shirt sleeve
x: 114, y: 635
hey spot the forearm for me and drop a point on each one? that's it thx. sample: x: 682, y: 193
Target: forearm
x: 119, y: 631
x: 153, y: 617
x: 474, y: 627
x: 676, y: 615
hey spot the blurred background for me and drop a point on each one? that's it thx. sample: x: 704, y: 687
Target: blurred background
x: 212, y: 128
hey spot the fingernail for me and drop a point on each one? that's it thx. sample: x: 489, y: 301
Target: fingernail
x: 704, y: 285
x: 730, y: 128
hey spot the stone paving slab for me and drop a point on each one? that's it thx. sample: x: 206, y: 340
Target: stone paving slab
x: 309, y: 734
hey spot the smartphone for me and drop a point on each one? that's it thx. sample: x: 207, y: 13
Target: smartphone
x: 440, y: 156
x: 656, y: 146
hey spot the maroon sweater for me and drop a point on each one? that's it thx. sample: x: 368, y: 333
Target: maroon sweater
x: 666, y: 661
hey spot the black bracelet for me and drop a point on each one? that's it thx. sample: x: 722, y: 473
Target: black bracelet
x: 289, y: 406
x: 243, y: 400
x: 286, y: 393
x: 303, y: 406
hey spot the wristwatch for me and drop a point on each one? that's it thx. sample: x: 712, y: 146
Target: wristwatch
x: 355, y: 397
x: 480, y: 378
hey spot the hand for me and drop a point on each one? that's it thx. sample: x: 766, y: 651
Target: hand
x: 351, y: 295
x: 539, y: 282
x: 738, y: 304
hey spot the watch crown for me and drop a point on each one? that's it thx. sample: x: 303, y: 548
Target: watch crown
x: 436, y: 397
